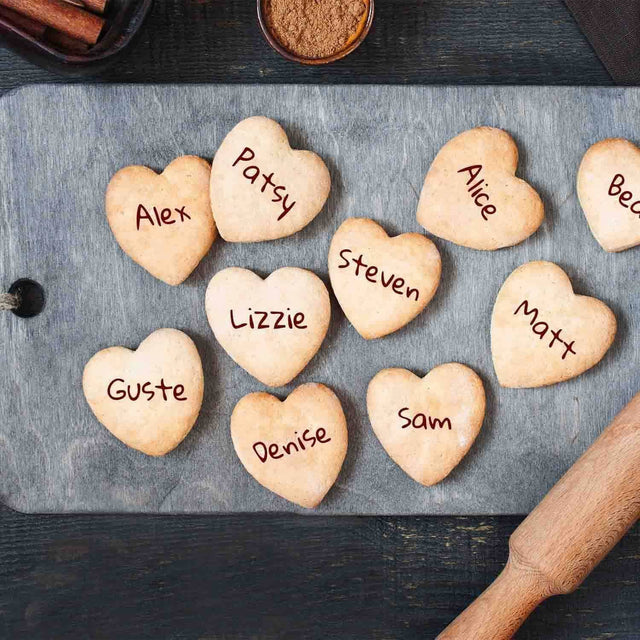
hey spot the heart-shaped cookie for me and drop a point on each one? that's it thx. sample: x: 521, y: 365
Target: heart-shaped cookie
x: 261, y: 188
x: 542, y: 332
x: 381, y: 283
x: 149, y: 398
x: 609, y: 192
x: 428, y: 424
x: 163, y: 222
x: 471, y: 195
x: 271, y: 327
x: 294, y: 448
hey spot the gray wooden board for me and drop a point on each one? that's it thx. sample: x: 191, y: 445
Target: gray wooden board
x: 59, y: 147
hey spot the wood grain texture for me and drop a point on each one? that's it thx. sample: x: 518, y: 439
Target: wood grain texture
x: 252, y: 577
x: 590, y: 508
x: 59, y: 459
x: 280, y: 578
x: 502, y: 608
x: 411, y: 42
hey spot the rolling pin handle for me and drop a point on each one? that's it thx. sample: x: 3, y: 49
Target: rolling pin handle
x: 502, y: 608
x: 572, y: 529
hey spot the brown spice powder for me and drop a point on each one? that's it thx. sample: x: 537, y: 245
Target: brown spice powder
x: 314, y: 28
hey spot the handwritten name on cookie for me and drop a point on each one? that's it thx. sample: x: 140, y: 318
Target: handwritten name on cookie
x: 254, y: 175
x: 541, y: 328
x: 267, y: 319
x: 624, y: 197
x: 118, y: 389
x: 300, y: 443
x: 376, y: 275
x: 163, y: 216
x: 477, y: 190
x: 422, y: 421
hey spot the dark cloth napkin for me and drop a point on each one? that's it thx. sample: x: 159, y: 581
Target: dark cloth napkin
x: 613, y: 29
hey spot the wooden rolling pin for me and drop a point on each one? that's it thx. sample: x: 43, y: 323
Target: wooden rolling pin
x: 574, y: 527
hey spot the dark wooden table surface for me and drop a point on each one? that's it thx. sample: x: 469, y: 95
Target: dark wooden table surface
x: 239, y: 577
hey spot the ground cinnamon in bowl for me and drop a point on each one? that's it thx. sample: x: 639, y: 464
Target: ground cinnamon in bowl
x: 315, y: 29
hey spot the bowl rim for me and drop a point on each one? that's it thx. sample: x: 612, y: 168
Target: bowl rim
x: 285, y: 53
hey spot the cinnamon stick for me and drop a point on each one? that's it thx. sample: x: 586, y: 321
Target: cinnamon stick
x: 65, y: 43
x: 27, y: 25
x: 97, y: 6
x: 61, y: 16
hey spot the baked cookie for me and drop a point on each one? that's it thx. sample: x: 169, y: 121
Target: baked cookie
x: 270, y: 327
x: 163, y: 222
x: 149, y: 398
x: 294, y: 448
x: 471, y: 195
x: 381, y: 283
x: 262, y: 189
x: 427, y: 425
x: 609, y: 192
x: 542, y: 332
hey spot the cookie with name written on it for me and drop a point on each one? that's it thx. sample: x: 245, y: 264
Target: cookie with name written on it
x: 149, y: 398
x: 542, y: 332
x: 163, y: 222
x: 471, y: 195
x: 609, y: 192
x: 381, y: 282
x: 294, y: 448
x: 261, y: 188
x: 427, y: 425
x: 272, y: 327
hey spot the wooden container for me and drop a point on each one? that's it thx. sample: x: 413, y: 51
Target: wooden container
x: 124, y: 20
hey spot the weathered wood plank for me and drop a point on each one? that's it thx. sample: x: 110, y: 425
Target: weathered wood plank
x: 280, y: 577
x: 412, y: 42
x: 57, y: 454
